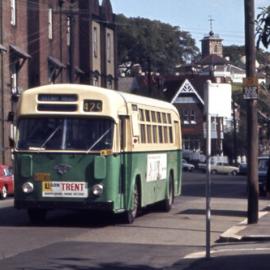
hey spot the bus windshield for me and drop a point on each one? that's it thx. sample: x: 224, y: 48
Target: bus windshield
x: 55, y: 133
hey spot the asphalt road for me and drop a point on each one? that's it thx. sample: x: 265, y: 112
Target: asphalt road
x: 156, y: 240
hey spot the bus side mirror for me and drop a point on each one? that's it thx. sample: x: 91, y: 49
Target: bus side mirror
x: 100, y: 165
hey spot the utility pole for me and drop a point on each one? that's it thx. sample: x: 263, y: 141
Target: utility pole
x: 251, y: 94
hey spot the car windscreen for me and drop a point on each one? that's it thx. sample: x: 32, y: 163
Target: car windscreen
x: 56, y: 133
x: 263, y: 164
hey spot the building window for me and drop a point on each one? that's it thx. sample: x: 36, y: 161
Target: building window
x: 96, y: 79
x: 109, y: 48
x: 109, y: 83
x: 216, y: 48
x: 13, y: 12
x: 14, y: 80
x: 50, y: 23
x: 68, y: 30
x: 192, y: 144
x: 185, y: 117
x: 95, y: 42
x: 192, y: 118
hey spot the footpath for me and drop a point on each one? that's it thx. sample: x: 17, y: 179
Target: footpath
x: 242, y: 247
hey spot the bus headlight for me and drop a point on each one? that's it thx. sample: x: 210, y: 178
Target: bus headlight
x: 97, y: 189
x: 27, y: 187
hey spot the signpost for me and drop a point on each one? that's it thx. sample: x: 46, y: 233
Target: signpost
x: 251, y: 88
x: 218, y: 104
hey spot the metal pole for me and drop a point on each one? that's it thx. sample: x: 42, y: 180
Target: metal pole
x: 208, y: 188
x: 2, y: 112
x: 252, y: 121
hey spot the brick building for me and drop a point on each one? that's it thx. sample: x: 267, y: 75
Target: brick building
x: 52, y: 41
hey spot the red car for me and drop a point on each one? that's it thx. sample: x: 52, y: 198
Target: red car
x: 6, y: 181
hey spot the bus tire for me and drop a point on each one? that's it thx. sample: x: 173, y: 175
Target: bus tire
x: 168, y: 202
x: 131, y: 214
x: 37, y: 216
x: 3, y: 194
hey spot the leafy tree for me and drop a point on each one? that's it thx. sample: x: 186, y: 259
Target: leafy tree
x: 145, y: 42
x: 263, y: 27
x: 235, y: 53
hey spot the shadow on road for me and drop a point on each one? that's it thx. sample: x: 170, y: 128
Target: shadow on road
x: 215, y: 212
x: 9, y: 216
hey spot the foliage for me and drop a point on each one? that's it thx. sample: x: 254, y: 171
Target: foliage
x: 235, y: 53
x: 263, y: 27
x: 145, y: 42
x: 236, y: 143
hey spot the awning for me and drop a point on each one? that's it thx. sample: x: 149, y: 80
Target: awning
x: 55, y: 62
x: 19, y: 52
x: 2, y: 48
x: 79, y: 71
x: 55, y: 67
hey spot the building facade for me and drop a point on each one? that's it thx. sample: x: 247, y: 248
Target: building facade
x: 52, y: 41
x: 212, y: 44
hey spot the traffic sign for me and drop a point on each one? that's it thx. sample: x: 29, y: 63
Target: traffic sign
x: 251, y: 92
x: 250, y: 81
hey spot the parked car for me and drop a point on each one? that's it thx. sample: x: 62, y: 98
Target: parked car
x: 263, y: 163
x: 224, y: 168
x: 243, y: 169
x: 221, y: 168
x: 6, y: 181
x: 187, y: 167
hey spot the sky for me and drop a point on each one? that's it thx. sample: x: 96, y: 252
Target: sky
x: 194, y: 16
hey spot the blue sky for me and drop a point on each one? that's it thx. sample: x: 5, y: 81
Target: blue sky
x: 193, y: 15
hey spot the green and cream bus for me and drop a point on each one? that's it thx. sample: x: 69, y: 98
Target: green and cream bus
x: 84, y: 147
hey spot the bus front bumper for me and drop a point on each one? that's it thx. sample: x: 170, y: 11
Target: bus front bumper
x: 99, y: 206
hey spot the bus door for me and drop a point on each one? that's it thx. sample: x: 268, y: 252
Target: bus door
x: 123, y: 158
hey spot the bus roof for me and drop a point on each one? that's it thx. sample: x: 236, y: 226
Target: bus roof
x: 114, y: 103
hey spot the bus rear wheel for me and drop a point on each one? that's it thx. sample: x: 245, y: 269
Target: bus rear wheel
x: 168, y: 202
x: 37, y: 216
x: 131, y: 214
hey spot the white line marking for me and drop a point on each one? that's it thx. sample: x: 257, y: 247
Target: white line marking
x: 202, y: 254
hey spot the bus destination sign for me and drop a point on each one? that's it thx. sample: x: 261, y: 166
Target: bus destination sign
x: 91, y: 105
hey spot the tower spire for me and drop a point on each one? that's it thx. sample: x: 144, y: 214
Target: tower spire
x: 211, y: 20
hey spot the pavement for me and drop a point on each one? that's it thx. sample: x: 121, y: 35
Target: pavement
x: 242, y: 247
x: 259, y: 231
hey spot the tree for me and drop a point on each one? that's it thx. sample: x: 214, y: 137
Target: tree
x: 263, y: 27
x: 235, y: 53
x: 142, y: 41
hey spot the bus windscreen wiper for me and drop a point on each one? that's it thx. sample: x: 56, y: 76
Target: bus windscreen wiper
x: 98, y: 140
x: 49, y: 137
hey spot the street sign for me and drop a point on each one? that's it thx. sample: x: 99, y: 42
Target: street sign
x: 251, y: 88
x: 250, y: 92
x: 250, y: 81
x: 218, y: 99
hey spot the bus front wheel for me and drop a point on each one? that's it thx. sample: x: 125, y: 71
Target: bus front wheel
x: 37, y: 216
